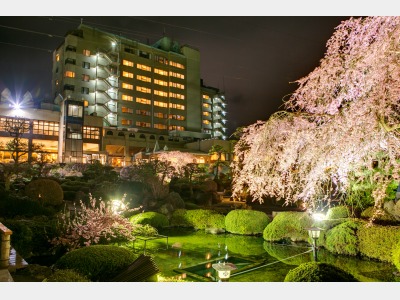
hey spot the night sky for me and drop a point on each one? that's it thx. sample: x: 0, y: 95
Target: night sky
x: 253, y: 59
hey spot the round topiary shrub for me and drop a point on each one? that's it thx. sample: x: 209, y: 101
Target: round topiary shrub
x: 200, y: 218
x: 178, y: 218
x: 288, y: 226
x: 152, y: 218
x: 66, y: 276
x: 98, y: 262
x: 45, y: 191
x: 248, y: 222
x: 318, y: 272
x: 342, y: 239
x: 338, y: 212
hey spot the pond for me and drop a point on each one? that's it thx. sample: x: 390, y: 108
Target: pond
x: 191, y: 254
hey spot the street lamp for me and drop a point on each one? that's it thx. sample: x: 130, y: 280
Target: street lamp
x: 314, y: 233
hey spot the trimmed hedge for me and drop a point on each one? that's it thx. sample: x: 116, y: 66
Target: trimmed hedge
x: 97, y: 262
x: 318, y: 272
x: 66, y: 276
x: 151, y: 218
x: 247, y: 222
x: 343, y: 239
x: 288, y: 226
x: 46, y: 191
x: 198, y: 219
x: 378, y: 241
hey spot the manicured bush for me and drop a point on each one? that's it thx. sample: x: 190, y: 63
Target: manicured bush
x: 338, y: 212
x: 209, y: 220
x: 318, y: 272
x: 200, y: 218
x: 31, y: 237
x: 378, y: 241
x: 15, y: 205
x: 98, y: 262
x: 396, y: 256
x: 216, y: 223
x: 178, y: 218
x: 288, y: 226
x: 66, y: 276
x: 342, y: 239
x: 152, y: 218
x: 46, y: 191
x: 248, y: 222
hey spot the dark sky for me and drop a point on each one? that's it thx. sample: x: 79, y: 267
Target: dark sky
x: 253, y: 59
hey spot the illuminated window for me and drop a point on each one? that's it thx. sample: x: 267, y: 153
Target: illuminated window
x: 206, y: 97
x: 69, y: 74
x: 143, y: 89
x: 161, y: 93
x: 177, y: 75
x: 127, y: 86
x: 126, y: 122
x: 160, y: 126
x: 160, y: 82
x: 85, y: 103
x: 206, y: 105
x: 177, y: 96
x: 177, y: 117
x: 75, y: 111
x: 206, y: 122
x: 142, y: 112
x: 143, y: 78
x: 143, y: 101
x: 142, y: 124
x: 143, y: 67
x: 177, y: 106
x: 85, y: 77
x: 127, y: 63
x: 127, y: 74
x: 160, y: 104
x: 86, y: 52
x: 45, y: 128
x: 92, y: 133
x: 177, y: 85
x: 85, y: 65
x: 161, y: 72
x: 175, y: 127
x: 200, y: 160
x: 206, y: 113
x: 127, y: 98
x: 127, y: 110
x: 160, y: 115
x: 57, y: 57
x: 176, y: 65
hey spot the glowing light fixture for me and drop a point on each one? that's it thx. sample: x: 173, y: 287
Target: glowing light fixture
x: 314, y: 233
x: 224, y: 270
x: 117, y: 206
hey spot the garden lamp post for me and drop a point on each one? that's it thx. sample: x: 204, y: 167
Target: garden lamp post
x: 314, y: 233
x: 224, y: 270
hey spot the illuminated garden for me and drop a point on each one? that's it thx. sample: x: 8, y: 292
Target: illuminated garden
x: 312, y: 196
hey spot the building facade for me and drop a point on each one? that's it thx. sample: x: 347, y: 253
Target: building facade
x: 145, y: 95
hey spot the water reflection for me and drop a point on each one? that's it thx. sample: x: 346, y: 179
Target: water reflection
x: 199, y: 247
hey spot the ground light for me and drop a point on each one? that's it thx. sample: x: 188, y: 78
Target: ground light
x: 314, y: 233
x: 224, y: 270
